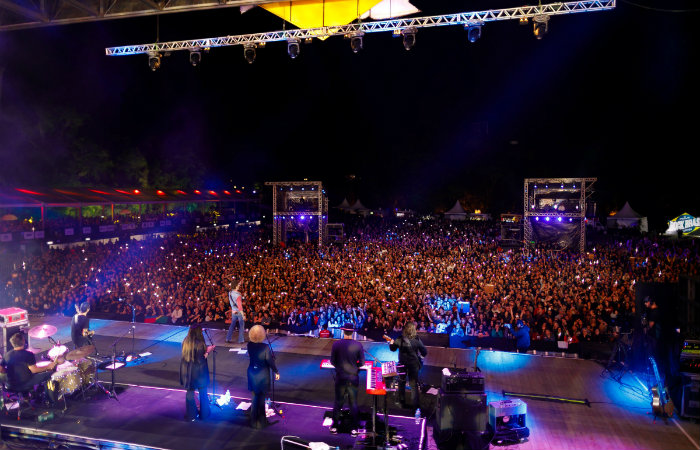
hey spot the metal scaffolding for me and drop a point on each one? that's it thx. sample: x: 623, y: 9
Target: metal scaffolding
x: 572, y: 195
x: 474, y: 18
x: 300, y: 207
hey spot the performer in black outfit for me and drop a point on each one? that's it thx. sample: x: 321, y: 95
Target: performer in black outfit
x: 22, y: 371
x: 194, y: 372
x: 261, y: 362
x: 80, y: 326
x: 347, y: 356
x: 411, y: 351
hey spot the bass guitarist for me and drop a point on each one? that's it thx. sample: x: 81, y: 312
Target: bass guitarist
x: 411, y: 354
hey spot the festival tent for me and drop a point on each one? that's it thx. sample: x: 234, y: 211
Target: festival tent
x: 344, y: 205
x: 456, y: 212
x: 628, y: 218
x: 359, y: 208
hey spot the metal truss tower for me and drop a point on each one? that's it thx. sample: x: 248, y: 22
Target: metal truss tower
x: 557, y: 199
x: 299, y: 207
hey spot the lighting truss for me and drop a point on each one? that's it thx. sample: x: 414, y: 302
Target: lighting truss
x: 464, y: 18
x: 581, y: 187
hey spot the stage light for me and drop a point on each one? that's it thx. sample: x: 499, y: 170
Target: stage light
x: 409, y: 38
x: 293, y: 48
x: 559, y: 219
x: 523, y: 20
x: 537, y: 219
x: 473, y: 33
x: 540, y: 25
x: 154, y: 61
x: 546, y: 219
x: 195, y: 57
x: 249, y: 53
x: 356, y: 43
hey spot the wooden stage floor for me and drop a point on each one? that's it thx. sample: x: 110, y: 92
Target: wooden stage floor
x: 618, y: 415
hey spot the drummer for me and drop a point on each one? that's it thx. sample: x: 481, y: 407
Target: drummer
x: 80, y: 326
x: 22, y: 371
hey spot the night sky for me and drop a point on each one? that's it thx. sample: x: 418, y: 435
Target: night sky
x: 611, y: 95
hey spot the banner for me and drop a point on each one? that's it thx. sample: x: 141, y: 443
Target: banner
x: 5, y: 237
x: 106, y: 228
x: 128, y: 226
x: 28, y: 234
x: 87, y: 230
x: 39, y: 234
x: 69, y: 231
x: 148, y: 224
x: 684, y: 223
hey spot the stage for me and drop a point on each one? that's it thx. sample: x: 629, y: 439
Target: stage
x: 148, y: 412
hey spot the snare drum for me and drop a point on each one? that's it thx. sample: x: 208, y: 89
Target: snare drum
x: 68, y: 378
x: 57, y: 350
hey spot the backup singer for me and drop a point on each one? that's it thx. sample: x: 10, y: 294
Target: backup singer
x: 347, y: 356
x: 80, y: 326
x: 194, y: 373
x: 235, y: 299
x: 261, y: 362
x: 411, y: 351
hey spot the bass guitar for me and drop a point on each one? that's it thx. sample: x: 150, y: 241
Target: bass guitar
x: 661, y: 403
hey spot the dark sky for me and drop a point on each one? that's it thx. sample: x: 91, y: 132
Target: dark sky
x: 612, y: 95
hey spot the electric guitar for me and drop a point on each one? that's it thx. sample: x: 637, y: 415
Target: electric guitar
x: 661, y: 403
x: 420, y: 357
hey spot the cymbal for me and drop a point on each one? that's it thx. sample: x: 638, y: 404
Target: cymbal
x: 42, y: 331
x: 80, y: 353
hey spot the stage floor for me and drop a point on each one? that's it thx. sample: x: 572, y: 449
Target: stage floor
x: 619, y: 415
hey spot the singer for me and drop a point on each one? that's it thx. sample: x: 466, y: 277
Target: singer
x: 194, y: 373
x: 261, y: 362
x: 80, y: 326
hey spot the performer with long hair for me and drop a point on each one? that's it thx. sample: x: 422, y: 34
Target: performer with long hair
x: 261, y: 362
x: 194, y: 372
x: 411, y: 354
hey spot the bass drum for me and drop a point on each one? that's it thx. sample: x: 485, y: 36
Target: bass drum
x: 68, y: 378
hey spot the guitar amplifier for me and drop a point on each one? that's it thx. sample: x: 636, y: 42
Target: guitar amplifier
x: 508, y: 419
x: 463, y: 382
x: 690, y: 404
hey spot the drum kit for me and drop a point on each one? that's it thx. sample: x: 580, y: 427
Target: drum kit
x: 77, y: 369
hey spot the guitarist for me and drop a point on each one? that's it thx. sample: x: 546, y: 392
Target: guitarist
x: 80, y: 326
x: 411, y: 354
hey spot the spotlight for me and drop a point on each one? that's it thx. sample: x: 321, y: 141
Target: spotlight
x: 540, y: 25
x: 249, y: 53
x: 473, y: 33
x: 293, y: 48
x: 154, y: 61
x: 523, y: 20
x: 356, y: 41
x: 195, y: 57
x: 409, y: 38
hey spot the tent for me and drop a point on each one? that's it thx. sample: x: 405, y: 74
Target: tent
x: 628, y: 218
x: 359, y: 208
x: 456, y: 212
x: 344, y: 205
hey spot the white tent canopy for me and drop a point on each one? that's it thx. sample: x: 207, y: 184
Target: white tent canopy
x: 456, y: 212
x: 344, y: 204
x: 628, y: 218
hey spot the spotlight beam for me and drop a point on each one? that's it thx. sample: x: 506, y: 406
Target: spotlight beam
x: 463, y: 18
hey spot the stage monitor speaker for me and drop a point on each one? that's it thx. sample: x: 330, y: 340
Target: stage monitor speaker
x: 462, y: 382
x: 461, y: 412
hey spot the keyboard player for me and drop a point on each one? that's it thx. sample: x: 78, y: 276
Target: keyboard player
x: 347, y: 355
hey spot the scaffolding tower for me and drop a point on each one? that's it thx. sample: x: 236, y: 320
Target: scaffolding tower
x: 299, y: 209
x: 556, y: 200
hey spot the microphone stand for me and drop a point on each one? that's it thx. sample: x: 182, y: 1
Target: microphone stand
x: 112, y: 392
x: 274, y: 405
x: 213, y: 383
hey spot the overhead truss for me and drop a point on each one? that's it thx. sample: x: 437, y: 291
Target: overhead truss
x: 475, y: 18
x: 21, y: 14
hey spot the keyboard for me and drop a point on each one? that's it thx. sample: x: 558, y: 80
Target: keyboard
x: 375, y: 382
x: 326, y: 364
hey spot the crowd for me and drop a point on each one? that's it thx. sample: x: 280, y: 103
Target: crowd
x: 447, y: 277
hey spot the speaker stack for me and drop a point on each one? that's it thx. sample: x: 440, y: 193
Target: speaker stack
x: 507, y: 418
x: 461, y: 420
